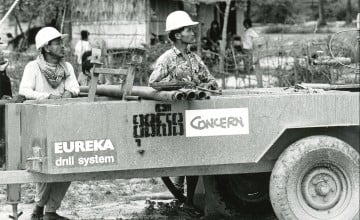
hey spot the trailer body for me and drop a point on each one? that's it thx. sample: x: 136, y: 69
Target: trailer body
x: 242, y: 132
x: 77, y: 137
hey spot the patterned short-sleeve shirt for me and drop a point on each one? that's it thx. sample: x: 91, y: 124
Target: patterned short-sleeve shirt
x: 172, y: 66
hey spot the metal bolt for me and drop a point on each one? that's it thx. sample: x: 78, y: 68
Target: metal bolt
x: 315, y: 181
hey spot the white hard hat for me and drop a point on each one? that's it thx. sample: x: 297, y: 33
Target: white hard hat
x: 178, y: 19
x: 45, y: 35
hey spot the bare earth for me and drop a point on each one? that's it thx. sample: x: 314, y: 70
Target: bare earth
x: 137, y: 199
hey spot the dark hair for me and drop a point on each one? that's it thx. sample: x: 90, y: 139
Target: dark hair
x: 86, y: 63
x: 236, y: 37
x: 84, y: 34
x: 173, y: 32
x: 214, y: 22
x: 248, y: 22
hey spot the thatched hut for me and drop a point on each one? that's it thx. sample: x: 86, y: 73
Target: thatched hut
x: 131, y: 23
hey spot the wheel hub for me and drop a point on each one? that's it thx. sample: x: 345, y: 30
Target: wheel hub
x: 322, y: 188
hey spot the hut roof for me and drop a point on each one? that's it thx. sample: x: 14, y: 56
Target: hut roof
x: 108, y: 10
x: 208, y: 1
x: 202, y: 1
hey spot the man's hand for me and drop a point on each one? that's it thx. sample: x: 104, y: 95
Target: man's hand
x: 6, y: 97
x: 66, y: 94
x: 4, y: 66
x: 51, y: 96
x: 207, y: 85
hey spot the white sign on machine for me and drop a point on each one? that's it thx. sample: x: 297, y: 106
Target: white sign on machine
x: 217, y: 122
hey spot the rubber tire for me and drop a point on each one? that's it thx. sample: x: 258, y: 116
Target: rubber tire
x: 298, y: 161
x: 170, y: 185
x: 235, y: 190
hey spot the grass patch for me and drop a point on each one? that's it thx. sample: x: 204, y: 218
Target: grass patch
x: 296, y: 29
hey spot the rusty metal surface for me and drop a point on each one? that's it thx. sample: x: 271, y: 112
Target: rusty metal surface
x: 268, y: 116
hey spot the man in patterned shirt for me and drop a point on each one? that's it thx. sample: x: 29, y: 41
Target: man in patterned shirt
x: 179, y: 63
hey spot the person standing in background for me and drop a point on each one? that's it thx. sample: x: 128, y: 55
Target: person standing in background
x: 81, y: 47
x: 5, y: 84
x: 86, y: 66
x: 213, y: 36
x: 5, y: 93
x: 249, y: 44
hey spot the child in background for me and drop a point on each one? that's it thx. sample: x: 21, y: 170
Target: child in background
x: 85, y: 76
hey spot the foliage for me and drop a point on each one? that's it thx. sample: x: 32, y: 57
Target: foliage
x: 283, y: 11
x: 48, y: 10
x: 272, y: 11
x: 294, y: 29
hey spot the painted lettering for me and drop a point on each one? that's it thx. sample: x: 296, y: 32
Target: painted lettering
x: 83, y: 146
x: 223, y: 122
x: 158, y: 125
x: 86, y: 161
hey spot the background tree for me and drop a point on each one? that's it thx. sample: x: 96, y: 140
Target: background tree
x: 271, y: 11
x: 223, y: 42
x: 348, y: 12
x: 50, y: 13
x: 248, y: 9
x: 321, y: 20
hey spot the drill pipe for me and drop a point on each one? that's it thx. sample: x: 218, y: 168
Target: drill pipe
x: 189, y: 93
x: 141, y: 91
x: 201, y: 95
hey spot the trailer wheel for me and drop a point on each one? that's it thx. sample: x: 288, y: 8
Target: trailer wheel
x: 170, y: 185
x: 316, y: 178
x: 245, y: 192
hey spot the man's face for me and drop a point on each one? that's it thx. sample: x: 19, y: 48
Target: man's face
x: 56, y: 48
x: 187, y: 36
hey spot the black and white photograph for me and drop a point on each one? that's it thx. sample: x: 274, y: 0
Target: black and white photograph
x: 180, y: 109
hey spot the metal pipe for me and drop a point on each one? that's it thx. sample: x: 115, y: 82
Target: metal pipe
x: 141, y: 91
x: 189, y: 93
x: 209, y: 90
x: 207, y: 95
x: 133, y: 98
x: 200, y: 94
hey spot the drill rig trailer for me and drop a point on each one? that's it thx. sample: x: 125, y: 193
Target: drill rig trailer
x: 305, y: 143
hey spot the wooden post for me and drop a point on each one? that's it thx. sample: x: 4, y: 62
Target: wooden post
x: 67, y: 29
x: 93, y: 84
x: 127, y: 87
x: 13, y: 152
x: 240, y: 16
x: 147, y: 22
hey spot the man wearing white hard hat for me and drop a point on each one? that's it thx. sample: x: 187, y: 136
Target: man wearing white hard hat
x: 179, y: 63
x: 49, y: 77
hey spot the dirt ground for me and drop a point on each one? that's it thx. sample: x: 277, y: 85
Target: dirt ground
x: 136, y: 199
x: 106, y: 199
